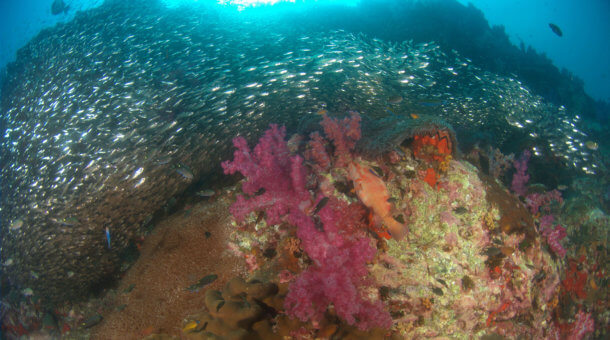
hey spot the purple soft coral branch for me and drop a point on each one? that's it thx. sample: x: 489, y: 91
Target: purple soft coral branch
x: 553, y: 236
x: 521, y: 177
x: 269, y: 167
x: 339, y: 254
x: 344, y: 134
x: 338, y: 274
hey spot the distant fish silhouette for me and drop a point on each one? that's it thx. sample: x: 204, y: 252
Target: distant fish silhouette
x: 59, y: 6
x: 556, y: 29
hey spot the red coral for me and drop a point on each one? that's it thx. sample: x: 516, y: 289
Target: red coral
x: 432, y: 148
x: 431, y: 178
x: 575, y: 280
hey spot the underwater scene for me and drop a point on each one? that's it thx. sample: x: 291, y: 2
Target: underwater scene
x: 382, y: 169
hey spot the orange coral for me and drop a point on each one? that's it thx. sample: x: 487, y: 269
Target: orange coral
x: 434, y: 147
x: 431, y: 177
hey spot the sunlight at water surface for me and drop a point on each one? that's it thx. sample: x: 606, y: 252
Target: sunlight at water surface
x: 243, y: 4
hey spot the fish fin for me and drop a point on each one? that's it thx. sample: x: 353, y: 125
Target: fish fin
x: 397, y: 230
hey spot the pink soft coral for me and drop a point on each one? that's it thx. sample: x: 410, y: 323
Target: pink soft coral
x: 542, y: 202
x: 335, y: 240
x: 521, y: 176
x: 553, y: 236
x: 339, y: 273
x: 317, y: 151
x: 344, y: 134
x: 268, y: 168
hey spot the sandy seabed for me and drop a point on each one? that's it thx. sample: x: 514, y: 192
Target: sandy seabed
x: 181, y: 250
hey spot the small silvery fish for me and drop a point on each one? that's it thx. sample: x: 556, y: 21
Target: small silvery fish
x: 205, y: 193
x: 396, y: 99
x: 16, y: 225
x: 185, y: 172
x: 591, y: 145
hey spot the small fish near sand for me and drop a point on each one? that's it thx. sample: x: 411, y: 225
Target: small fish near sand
x: 185, y: 172
x: 206, y: 193
x: 107, y: 232
x: 206, y: 280
x: 91, y: 321
x: 191, y: 325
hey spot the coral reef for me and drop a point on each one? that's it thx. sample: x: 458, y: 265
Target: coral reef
x: 250, y: 310
x: 336, y: 245
x: 339, y: 255
x: 472, y: 261
x: 241, y: 310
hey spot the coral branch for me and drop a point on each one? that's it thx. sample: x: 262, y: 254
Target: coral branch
x: 275, y: 182
x: 521, y: 177
x: 317, y: 151
x: 339, y: 273
x: 344, y: 134
x: 268, y: 168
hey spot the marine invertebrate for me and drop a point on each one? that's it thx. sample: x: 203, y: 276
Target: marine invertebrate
x: 553, y: 236
x: 575, y: 279
x: 339, y: 273
x: 344, y: 134
x: 537, y: 201
x: 317, y: 151
x: 239, y: 310
x: 336, y: 244
x: 521, y: 176
x: 435, y: 148
x: 268, y: 168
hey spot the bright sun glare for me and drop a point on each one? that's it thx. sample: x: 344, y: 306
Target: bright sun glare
x: 246, y: 3
x: 242, y: 4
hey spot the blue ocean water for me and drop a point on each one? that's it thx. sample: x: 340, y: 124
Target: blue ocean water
x: 583, y: 49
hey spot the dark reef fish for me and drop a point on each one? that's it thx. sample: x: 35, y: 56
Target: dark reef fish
x: 113, y: 107
x: 556, y: 29
x: 59, y: 6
